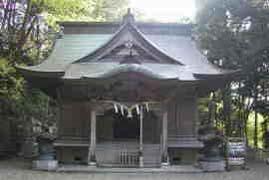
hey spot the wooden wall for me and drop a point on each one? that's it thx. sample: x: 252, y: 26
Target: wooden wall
x: 152, y: 128
x: 104, y: 128
x: 182, y: 116
x: 182, y: 120
x: 75, y: 124
x: 74, y: 120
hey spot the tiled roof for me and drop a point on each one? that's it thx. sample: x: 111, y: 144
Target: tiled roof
x: 73, y: 52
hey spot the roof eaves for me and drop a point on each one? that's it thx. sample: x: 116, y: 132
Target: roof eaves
x: 223, y: 74
x: 28, y: 71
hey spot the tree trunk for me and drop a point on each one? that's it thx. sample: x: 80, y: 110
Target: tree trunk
x: 255, y: 137
x: 227, y: 109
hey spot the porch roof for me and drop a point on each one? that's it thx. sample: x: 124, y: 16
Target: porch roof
x: 106, y: 70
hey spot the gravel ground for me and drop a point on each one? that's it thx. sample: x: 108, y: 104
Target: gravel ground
x: 20, y: 170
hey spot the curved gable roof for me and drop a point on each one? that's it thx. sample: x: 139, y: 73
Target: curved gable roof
x: 129, y: 33
x: 163, y: 42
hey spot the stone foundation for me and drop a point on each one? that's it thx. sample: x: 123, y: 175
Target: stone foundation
x: 47, y: 165
x: 212, y: 166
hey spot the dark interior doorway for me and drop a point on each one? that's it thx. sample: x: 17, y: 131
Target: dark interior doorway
x: 113, y: 126
x: 124, y: 127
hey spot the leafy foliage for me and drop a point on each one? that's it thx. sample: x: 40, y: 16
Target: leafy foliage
x: 83, y: 10
x: 11, y: 84
x: 234, y: 35
x: 27, y: 33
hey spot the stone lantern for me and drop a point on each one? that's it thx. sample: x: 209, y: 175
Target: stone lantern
x: 46, y: 158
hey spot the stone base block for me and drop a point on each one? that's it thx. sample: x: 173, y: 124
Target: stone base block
x: 47, y: 165
x: 91, y: 163
x: 214, y: 166
x: 165, y: 164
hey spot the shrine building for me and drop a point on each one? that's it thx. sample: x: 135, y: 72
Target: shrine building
x: 127, y: 92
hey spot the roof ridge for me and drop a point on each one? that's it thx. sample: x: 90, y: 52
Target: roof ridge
x: 85, y: 23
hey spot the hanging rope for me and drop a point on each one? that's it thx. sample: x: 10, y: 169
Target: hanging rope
x: 137, y: 107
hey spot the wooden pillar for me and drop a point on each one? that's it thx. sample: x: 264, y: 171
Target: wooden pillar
x: 196, y: 117
x: 165, y: 160
x: 92, y: 145
x: 141, y: 158
x: 60, y: 115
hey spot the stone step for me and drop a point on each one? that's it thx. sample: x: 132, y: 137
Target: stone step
x: 91, y: 169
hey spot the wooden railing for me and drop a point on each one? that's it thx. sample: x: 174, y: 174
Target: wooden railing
x: 127, y: 154
x: 128, y: 158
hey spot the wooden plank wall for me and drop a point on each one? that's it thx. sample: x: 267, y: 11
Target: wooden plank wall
x: 182, y: 120
x: 182, y: 117
x: 75, y: 123
x: 75, y: 120
x: 151, y: 128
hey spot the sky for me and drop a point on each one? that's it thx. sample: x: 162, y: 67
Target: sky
x: 165, y: 10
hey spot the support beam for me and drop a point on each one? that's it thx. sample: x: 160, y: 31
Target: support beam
x: 141, y: 158
x: 165, y: 160
x: 92, y: 147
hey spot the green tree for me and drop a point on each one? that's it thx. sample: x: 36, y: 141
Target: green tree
x: 234, y: 35
x: 109, y: 10
x: 27, y: 32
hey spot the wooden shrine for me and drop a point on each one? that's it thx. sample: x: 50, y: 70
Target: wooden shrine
x: 127, y: 91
